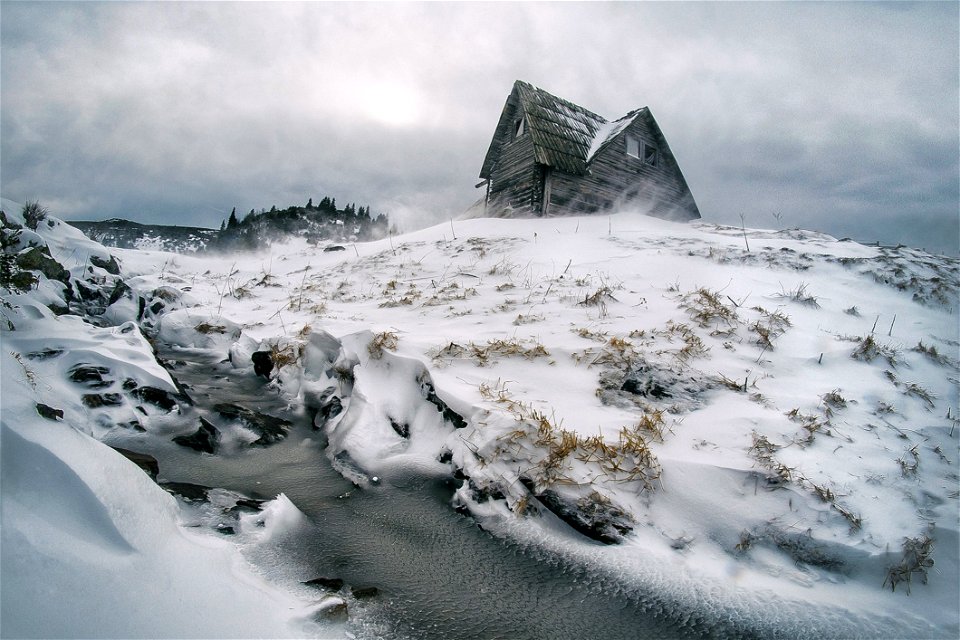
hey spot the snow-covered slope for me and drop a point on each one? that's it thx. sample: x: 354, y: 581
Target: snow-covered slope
x: 760, y: 430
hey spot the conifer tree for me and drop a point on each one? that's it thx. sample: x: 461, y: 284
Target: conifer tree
x: 232, y: 222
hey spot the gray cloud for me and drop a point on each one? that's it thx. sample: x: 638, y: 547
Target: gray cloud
x: 841, y: 116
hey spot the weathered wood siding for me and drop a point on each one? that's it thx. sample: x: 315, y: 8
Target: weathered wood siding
x: 516, y: 180
x: 616, y: 179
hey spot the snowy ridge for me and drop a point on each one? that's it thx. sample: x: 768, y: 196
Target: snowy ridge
x: 749, y: 430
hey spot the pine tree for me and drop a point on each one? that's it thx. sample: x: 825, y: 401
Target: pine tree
x: 232, y: 222
x: 310, y: 203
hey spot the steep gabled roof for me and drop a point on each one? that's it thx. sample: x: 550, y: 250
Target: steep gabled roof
x: 562, y: 132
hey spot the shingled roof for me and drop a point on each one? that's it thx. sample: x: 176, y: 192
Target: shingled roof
x: 563, y: 133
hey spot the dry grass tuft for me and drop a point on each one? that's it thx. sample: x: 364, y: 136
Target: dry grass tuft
x: 482, y: 355
x: 916, y: 559
x: 383, y: 340
x: 799, y: 294
x: 706, y: 309
x: 868, y: 350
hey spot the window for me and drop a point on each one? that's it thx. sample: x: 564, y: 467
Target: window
x: 643, y: 151
x: 519, y: 127
x: 650, y: 155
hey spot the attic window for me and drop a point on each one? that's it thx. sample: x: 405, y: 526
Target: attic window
x: 643, y: 151
x: 519, y: 127
x: 650, y: 155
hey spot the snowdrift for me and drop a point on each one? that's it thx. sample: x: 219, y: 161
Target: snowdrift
x: 764, y: 435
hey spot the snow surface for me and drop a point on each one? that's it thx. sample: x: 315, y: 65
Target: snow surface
x: 92, y: 547
x: 798, y: 410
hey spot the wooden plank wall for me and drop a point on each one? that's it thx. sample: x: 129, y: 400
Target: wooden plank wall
x: 516, y: 179
x: 616, y: 179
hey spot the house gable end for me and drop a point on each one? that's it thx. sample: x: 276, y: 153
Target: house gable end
x: 657, y: 178
x: 504, y: 133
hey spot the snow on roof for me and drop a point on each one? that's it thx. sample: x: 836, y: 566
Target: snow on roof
x: 565, y: 135
x: 608, y: 131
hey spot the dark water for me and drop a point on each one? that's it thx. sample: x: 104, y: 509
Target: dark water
x: 439, y: 574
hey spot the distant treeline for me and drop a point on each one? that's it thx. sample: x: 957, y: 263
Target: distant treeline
x: 321, y: 222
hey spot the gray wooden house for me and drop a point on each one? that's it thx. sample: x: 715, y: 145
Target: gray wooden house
x: 551, y: 157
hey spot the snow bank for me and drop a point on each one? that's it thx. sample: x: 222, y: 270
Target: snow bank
x: 91, y: 546
x: 657, y: 384
x: 772, y: 429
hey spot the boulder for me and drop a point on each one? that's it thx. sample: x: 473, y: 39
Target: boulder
x: 91, y: 376
x: 362, y: 593
x: 262, y: 363
x: 98, y: 400
x: 110, y: 266
x: 205, y: 439
x: 146, y: 462
x: 330, y: 584
x: 595, y: 516
x: 49, y: 412
x: 270, y: 428
x: 186, y: 490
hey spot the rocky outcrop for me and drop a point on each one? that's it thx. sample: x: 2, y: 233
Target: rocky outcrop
x: 270, y: 429
x: 206, y: 439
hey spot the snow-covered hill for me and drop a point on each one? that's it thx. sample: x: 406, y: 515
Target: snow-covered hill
x: 761, y: 426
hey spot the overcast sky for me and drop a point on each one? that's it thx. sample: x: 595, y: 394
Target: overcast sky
x: 841, y: 117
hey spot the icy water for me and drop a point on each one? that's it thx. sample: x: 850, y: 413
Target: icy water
x: 439, y: 575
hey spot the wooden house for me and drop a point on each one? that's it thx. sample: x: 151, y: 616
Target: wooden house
x: 550, y: 157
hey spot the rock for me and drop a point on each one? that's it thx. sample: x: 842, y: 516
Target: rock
x: 226, y: 530
x: 97, y: 400
x: 49, y: 412
x: 334, y: 247
x: 157, y: 397
x: 270, y: 428
x: 38, y: 259
x: 88, y: 293
x: 186, y: 490
x: 246, y: 505
x: 491, y: 491
x: 430, y: 395
x: 330, y: 408
x: 110, y: 266
x: 119, y: 290
x: 331, y: 584
x: 205, y: 439
x: 146, y: 462
x: 402, y: 429
x: 91, y: 376
x: 45, y: 354
x: 262, y: 363
x: 346, y: 466
x: 361, y: 593
x: 593, y: 516
x: 330, y: 609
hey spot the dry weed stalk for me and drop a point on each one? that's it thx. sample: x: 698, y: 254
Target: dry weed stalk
x: 916, y: 559
x: 381, y: 341
x: 706, y: 309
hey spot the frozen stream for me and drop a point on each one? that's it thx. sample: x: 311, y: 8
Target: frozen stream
x: 439, y: 574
